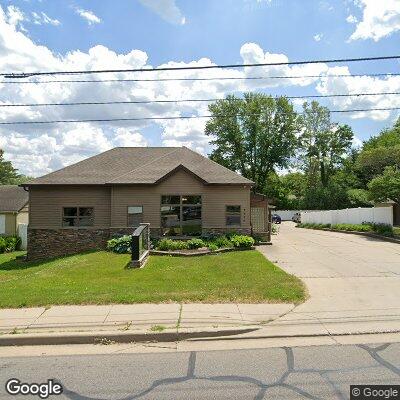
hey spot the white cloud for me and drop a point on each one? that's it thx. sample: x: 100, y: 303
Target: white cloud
x: 38, y: 149
x: 167, y: 10
x: 351, y: 19
x: 42, y: 18
x: 15, y: 16
x: 380, y: 18
x: 318, y: 37
x: 88, y: 15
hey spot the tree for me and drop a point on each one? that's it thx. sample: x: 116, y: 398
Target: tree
x: 8, y: 174
x: 386, y: 186
x: 254, y: 135
x: 323, y: 143
x: 373, y: 161
x: 386, y: 138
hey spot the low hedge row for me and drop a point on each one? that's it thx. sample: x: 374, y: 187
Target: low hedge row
x: 237, y: 241
x: 123, y: 243
x: 9, y: 243
x: 380, y: 229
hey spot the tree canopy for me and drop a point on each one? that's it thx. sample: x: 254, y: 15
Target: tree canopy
x: 254, y: 135
x: 8, y: 174
x: 386, y: 186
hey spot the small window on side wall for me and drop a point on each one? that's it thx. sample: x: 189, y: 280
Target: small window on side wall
x: 233, y: 216
x: 135, y: 216
x: 78, y: 216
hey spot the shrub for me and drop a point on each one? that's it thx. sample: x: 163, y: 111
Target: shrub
x: 274, y: 229
x: 383, y: 229
x: 353, y: 227
x: 257, y: 238
x: 242, y: 241
x: 169, y: 244
x: 222, y: 241
x: 230, y: 234
x: 195, y: 243
x: 2, y: 245
x: 311, y: 225
x: 212, y: 247
x: 120, y: 245
x: 9, y: 243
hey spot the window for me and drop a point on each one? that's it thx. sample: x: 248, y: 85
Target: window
x: 181, y: 215
x: 170, y: 199
x: 135, y: 216
x: 77, y: 216
x: 233, y: 216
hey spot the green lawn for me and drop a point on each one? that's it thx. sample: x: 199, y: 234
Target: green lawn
x: 102, y: 277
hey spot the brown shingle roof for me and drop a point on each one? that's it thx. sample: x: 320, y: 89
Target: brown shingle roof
x: 140, y: 165
x: 12, y: 198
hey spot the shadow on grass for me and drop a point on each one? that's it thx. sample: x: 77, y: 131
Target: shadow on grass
x: 19, y: 263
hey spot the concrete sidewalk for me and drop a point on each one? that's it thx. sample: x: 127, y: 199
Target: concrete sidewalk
x: 137, y: 317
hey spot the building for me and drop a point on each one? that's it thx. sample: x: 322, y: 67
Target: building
x: 13, y: 209
x: 178, y: 191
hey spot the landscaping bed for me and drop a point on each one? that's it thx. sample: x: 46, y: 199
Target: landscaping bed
x: 380, y: 231
x: 197, y: 252
x: 200, y: 246
x: 102, y: 277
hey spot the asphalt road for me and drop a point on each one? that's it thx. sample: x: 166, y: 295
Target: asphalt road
x: 316, y: 372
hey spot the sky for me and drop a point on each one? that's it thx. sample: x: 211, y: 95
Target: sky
x: 59, y: 35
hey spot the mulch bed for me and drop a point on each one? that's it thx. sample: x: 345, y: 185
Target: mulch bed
x: 195, y: 252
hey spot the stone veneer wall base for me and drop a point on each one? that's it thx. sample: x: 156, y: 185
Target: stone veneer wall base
x: 50, y: 243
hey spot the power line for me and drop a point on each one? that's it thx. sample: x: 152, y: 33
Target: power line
x: 170, y: 118
x: 199, y: 67
x: 233, y: 78
x: 83, y: 103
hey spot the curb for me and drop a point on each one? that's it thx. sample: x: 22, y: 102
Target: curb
x: 108, y: 337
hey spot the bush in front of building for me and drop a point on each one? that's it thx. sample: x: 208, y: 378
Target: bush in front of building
x: 120, y: 245
x: 9, y: 243
x: 171, y: 245
x: 242, y: 241
x: 195, y: 243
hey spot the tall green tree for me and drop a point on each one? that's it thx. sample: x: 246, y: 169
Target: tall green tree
x: 373, y: 161
x: 254, y: 135
x: 386, y: 138
x: 323, y: 143
x: 386, y: 186
x: 8, y: 174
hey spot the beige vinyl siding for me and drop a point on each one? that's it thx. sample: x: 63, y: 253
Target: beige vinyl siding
x: 10, y: 224
x: 214, y: 200
x: 46, y: 204
x: 23, y: 216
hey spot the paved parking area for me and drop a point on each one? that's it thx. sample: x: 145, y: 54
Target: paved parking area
x: 353, y: 281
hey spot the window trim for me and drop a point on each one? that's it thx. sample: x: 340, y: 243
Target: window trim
x: 127, y: 213
x: 230, y: 213
x: 77, y: 217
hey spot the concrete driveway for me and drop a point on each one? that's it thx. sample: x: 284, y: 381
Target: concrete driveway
x: 353, y: 282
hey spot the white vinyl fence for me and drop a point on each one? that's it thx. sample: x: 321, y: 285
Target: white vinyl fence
x: 379, y: 215
x: 22, y: 232
x: 286, y: 215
